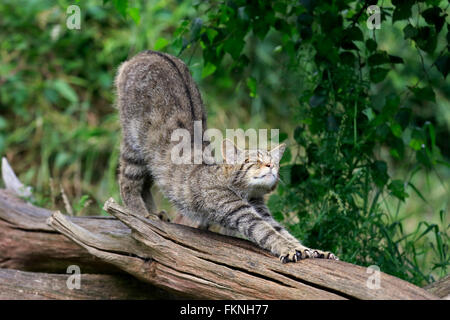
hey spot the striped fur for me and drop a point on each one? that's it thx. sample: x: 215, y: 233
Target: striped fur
x: 157, y: 95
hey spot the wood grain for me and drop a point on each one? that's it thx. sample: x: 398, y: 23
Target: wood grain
x: 181, y: 260
x: 21, y: 285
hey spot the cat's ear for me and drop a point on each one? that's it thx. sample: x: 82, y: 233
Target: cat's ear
x: 277, y: 152
x: 231, y: 154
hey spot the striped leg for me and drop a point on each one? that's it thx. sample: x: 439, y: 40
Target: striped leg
x: 266, y: 232
x: 149, y: 202
x: 131, y: 181
x: 244, y: 218
x: 135, y: 183
x: 264, y: 212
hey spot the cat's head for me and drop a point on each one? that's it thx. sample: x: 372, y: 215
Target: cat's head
x: 253, y: 172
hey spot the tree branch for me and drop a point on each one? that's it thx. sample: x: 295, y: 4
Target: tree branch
x: 20, y: 285
x: 181, y: 260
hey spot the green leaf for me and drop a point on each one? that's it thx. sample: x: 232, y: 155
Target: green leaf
x: 65, y: 90
x: 354, y: 34
x: 396, y: 129
x: 3, y: 123
x: 424, y: 94
x: 195, y: 29
x: 134, y: 14
x: 62, y: 159
x: 378, y: 74
x: 319, y: 97
x: 161, y: 43
x: 403, y: 117
x: 397, y: 188
x: 251, y: 84
x: 121, y: 6
x: 317, y: 100
x: 298, y: 174
x: 371, y: 45
x: 378, y: 58
x: 426, y: 39
x: 287, y: 156
x: 347, y: 58
x: 443, y: 64
x: 424, y: 158
x: 298, y: 134
x: 409, y: 32
x: 416, y: 144
x: 402, y: 10
x: 379, y: 173
x: 397, y: 147
x: 395, y: 59
x: 283, y: 136
x: 432, y: 134
x: 211, y: 34
x: 417, y: 192
x: 368, y: 112
x: 208, y: 69
x: 433, y: 16
x: 234, y: 47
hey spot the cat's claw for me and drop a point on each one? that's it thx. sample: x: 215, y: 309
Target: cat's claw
x: 294, y: 255
x: 162, y: 215
x: 324, y: 255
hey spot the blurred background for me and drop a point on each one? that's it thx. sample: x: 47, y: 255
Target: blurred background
x: 366, y: 174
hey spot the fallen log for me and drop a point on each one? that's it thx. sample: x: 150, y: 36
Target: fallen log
x: 208, y: 265
x: 21, y: 285
x: 27, y: 243
x: 189, y: 262
x: 440, y: 288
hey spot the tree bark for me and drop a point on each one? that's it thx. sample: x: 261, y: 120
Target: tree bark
x: 27, y: 243
x: 21, y: 285
x: 185, y: 261
x: 440, y: 288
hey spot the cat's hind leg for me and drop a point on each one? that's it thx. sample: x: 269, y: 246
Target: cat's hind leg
x: 150, y: 202
x: 132, y: 177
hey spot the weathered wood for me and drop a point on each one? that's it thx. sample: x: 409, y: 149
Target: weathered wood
x: 191, y: 262
x: 27, y: 243
x: 440, y: 288
x: 12, y: 182
x: 212, y: 266
x: 20, y: 285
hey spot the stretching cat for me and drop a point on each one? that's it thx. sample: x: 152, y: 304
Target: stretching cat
x: 156, y: 95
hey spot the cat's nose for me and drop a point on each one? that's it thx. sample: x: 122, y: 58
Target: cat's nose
x: 269, y: 165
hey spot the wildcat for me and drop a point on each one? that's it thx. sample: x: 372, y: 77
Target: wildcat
x: 156, y: 95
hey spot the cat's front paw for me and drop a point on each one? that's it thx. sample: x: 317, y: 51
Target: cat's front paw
x: 295, y: 254
x: 299, y: 253
x: 323, y: 254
